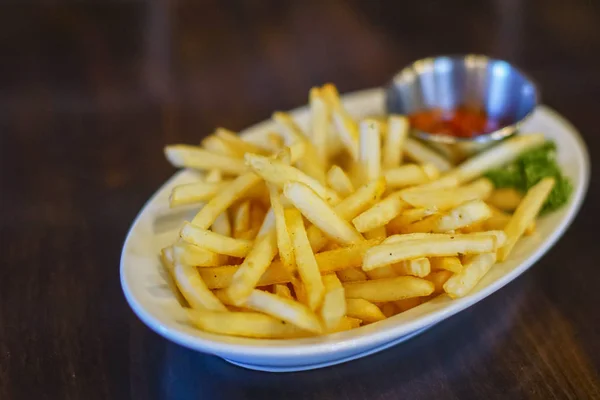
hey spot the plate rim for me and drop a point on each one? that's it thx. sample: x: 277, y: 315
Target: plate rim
x: 271, y: 349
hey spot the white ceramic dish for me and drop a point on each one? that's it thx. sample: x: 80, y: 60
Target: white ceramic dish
x: 145, y: 288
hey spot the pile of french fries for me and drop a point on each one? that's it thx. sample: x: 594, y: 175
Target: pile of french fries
x: 320, y: 231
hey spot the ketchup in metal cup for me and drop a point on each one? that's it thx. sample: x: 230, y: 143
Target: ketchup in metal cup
x: 462, y: 122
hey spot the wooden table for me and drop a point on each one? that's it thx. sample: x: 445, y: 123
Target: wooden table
x: 90, y: 93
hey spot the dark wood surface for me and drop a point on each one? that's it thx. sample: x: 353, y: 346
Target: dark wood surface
x: 91, y: 91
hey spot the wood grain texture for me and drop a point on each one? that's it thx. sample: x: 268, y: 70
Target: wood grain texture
x: 90, y: 92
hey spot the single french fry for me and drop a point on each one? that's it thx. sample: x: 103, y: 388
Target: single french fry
x: 499, y: 220
x: 351, y: 275
x: 194, y: 289
x: 187, y: 156
x: 398, y: 127
x: 334, y: 302
x: 363, y: 310
x: 339, y: 181
x: 376, y: 233
x: 192, y: 193
x: 189, y: 254
x: 319, y: 129
x: 407, y: 217
x: 237, y: 142
x: 216, y: 145
x: 255, y: 264
x: 379, y: 215
x: 268, y: 224
x: 506, y: 199
x: 474, y: 269
x: 343, y: 258
x: 285, y: 309
x: 241, y: 219
x: 422, y: 154
x: 496, y: 156
x: 347, y: 130
x: 284, y: 242
x: 305, y: 259
x: 500, y: 236
x: 439, y: 278
x: 446, y: 198
x: 167, y: 259
x: 389, y: 289
x: 279, y: 174
x: 369, y: 151
x: 225, y: 198
x: 346, y: 324
x: 214, y: 242
x: 466, y: 214
x: 247, y: 324
x: 382, y: 272
x: 407, y: 304
x: 451, y: 264
x: 320, y: 214
x: 222, y: 277
x: 452, y: 245
x: 419, y: 267
x: 388, y: 309
x: 524, y: 214
x: 282, y: 289
x: 406, y: 175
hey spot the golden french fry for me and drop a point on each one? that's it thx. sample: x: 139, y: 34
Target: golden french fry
x: 285, y: 309
x: 398, y: 128
x: 255, y: 264
x: 331, y: 96
x: 499, y: 220
x: 525, y: 214
x: 248, y: 324
x: 225, y: 198
x: 363, y: 310
x: 319, y: 129
x: 389, y: 289
x: 407, y: 175
x: 339, y: 181
x: 222, y: 225
x: 369, y: 151
x: 284, y: 242
x: 451, y: 264
x: 446, y: 198
x: 466, y: 214
x: 189, y: 254
x: 334, y: 302
x: 347, y: 323
x: 192, y: 193
x: 379, y: 215
x: 282, y: 289
x: 451, y: 245
x: 268, y: 223
x: 242, y: 146
x: 496, y: 156
x: 279, y: 174
x: 407, y: 304
x: 422, y: 154
x: 419, y: 267
x: 388, y: 309
x: 382, y: 272
x: 320, y: 214
x: 305, y: 259
x: 474, y: 269
x: 351, y: 275
x: 347, y: 130
x: 216, y: 145
x: 187, y: 156
x: 194, y: 289
x: 214, y: 242
x: 343, y: 258
x: 439, y: 278
x: 241, y: 218
x: 167, y: 259
x: 507, y: 199
x: 407, y: 217
x: 376, y: 233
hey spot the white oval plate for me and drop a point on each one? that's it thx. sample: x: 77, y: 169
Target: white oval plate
x: 156, y: 226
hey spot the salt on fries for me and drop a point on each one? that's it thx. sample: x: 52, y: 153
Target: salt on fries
x: 326, y: 230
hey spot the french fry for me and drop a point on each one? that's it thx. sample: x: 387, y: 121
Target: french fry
x: 167, y: 259
x: 422, y: 154
x: 363, y: 310
x: 346, y: 324
x: 369, y: 151
x: 221, y: 225
x: 525, y: 214
x: 214, y: 242
x: 241, y: 219
x: 189, y: 254
x: 451, y: 264
x: 451, y: 245
x: 439, y: 278
x: 339, y: 181
x: 466, y: 214
x: 268, y: 224
x: 237, y: 142
x: 225, y: 198
x: 389, y: 289
x: 407, y: 175
x: 389, y: 309
x: 507, y: 199
x: 247, y: 324
x: 284, y: 242
x: 305, y: 260
x: 334, y: 302
x: 192, y: 193
x: 279, y: 174
x: 376, y: 233
x: 319, y: 129
x: 193, y: 288
x: 407, y: 304
x: 351, y: 275
x: 419, y: 267
x: 187, y: 156
x: 216, y: 145
x: 281, y: 289
x: 382, y: 272
x: 320, y: 214
x: 279, y: 307
x: 474, y: 269
x: 398, y: 127
x: 407, y: 217
x: 255, y: 264
x: 379, y: 215
x: 343, y: 258
x: 499, y: 220
x: 445, y: 198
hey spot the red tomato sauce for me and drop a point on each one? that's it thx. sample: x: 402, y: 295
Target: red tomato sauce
x: 461, y: 122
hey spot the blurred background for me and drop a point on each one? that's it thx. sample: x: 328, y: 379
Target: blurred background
x: 90, y: 92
